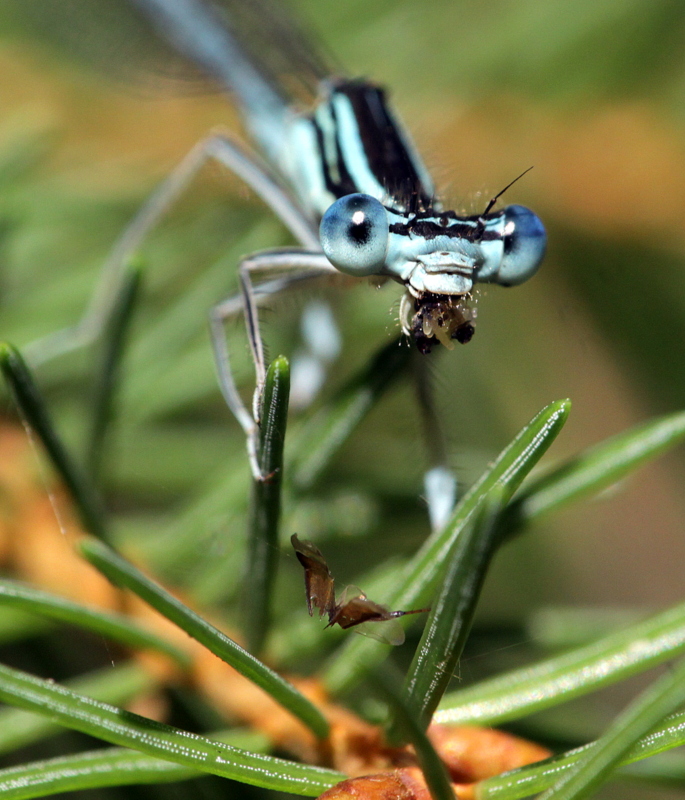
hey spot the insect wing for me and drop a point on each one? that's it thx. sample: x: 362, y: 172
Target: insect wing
x: 355, y: 608
x: 388, y: 631
x: 374, y: 620
x: 318, y: 581
x: 349, y: 594
x: 278, y: 44
x: 367, y: 618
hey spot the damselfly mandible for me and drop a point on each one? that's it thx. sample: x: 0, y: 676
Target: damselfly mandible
x: 340, y: 172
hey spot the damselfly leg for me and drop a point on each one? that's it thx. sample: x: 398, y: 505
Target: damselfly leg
x: 439, y: 483
x: 220, y: 147
x: 300, y: 266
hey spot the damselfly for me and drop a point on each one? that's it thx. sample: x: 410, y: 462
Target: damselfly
x: 344, y: 178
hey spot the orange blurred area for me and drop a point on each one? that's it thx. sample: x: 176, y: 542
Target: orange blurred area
x: 613, y: 170
x: 107, y: 133
x: 578, y: 91
x: 38, y: 537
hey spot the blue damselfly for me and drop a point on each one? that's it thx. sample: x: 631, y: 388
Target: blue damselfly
x: 338, y: 169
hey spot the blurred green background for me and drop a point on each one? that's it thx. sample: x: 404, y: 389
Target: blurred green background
x: 591, y: 93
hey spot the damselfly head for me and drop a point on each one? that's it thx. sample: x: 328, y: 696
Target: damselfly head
x: 525, y: 241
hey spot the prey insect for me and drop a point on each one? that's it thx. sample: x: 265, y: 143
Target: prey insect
x: 342, y: 174
x: 354, y: 607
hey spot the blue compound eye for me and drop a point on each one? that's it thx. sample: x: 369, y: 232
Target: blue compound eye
x: 354, y: 234
x: 525, y: 241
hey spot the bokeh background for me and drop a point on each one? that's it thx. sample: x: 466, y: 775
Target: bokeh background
x: 590, y: 93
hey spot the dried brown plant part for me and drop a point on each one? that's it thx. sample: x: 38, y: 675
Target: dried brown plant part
x: 354, y: 746
x: 45, y: 556
x: 35, y: 548
x: 38, y: 529
x: 400, y: 784
x: 471, y: 754
x: 239, y: 700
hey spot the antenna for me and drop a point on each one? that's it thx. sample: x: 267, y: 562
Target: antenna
x: 506, y: 188
x: 480, y: 225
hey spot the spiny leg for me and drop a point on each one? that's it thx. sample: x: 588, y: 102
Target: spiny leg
x: 219, y: 147
x: 440, y: 485
x: 299, y: 265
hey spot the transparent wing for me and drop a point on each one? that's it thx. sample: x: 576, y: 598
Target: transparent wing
x: 280, y: 45
x: 350, y: 593
x: 363, y: 616
x: 110, y: 36
x: 115, y: 37
x: 388, y: 631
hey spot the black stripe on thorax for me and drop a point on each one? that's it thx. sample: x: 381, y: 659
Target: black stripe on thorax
x: 338, y: 188
x: 386, y: 152
x: 428, y: 229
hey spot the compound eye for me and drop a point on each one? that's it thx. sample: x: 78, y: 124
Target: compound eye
x: 525, y: 242
x: 354, y: 234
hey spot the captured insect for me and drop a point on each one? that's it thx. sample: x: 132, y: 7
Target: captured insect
x: 354, y: 607
x: 340, y: 171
